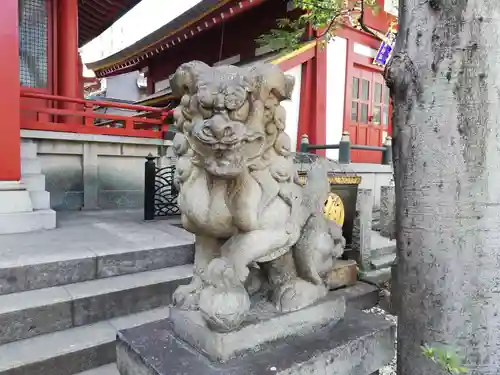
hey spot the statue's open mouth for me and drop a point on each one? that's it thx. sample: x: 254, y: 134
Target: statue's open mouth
x: 227, y: 160
x: 221, y: 148
x: 220, y: 144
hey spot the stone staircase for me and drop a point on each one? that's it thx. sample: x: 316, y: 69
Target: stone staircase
x: 60, y: 315
x: 36, y: 214
x: 31, y: 172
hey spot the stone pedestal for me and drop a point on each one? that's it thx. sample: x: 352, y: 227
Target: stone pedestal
x: 361, y: 236
x: 387, y: 212
x: 16, y: 210
x: 359, y: 344
x: 264, y: 324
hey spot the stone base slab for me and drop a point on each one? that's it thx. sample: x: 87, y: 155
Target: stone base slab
x: 23, y: 222
x: 359, y: 344
x: 15, y: 201
x: 266, y: 325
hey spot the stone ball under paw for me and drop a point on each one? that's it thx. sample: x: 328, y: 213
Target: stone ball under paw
x: 224, y: 310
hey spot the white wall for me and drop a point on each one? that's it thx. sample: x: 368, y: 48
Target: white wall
x: 292, y: 106
x: 363, y: 50
x: 124, y: 87
x: 335, y: 92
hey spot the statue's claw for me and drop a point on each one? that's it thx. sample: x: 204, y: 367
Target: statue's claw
x: 186, y: 297
x: 297, y: 294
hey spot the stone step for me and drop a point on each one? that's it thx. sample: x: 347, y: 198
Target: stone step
x: 48, y: 270
x: 28, y: 314
x: 385, y: 261
x: 23, y: 222
x: 74, y: 350
x: 381, y: 246
x: 103, y: 370
x: 14, y: 201
x: 31, y: 166
x: 381, y: 251
x: 40, y: 200
x: 34, y: 182
x: 28, y: 149
x: 377, y: 277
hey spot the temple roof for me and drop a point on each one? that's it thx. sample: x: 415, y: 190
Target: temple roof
x: 286, y: 60
x: 95, y: 16
x: 204, y: 15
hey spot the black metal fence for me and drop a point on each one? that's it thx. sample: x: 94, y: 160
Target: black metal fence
x: 160, y: 194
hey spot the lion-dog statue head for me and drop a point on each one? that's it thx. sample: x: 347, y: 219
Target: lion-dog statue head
x: 226, y: 115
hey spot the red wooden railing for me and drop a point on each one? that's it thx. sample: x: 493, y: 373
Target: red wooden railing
x: 52, y: 114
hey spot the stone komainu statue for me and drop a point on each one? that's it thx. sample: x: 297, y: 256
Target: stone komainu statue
x: 256, y: 226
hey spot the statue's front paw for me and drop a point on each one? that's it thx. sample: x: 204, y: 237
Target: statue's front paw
x: 297, y: 294
x: 187, y: 297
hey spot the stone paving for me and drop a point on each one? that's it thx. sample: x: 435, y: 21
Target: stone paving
x: 390, y: 369
x: 87, y: 234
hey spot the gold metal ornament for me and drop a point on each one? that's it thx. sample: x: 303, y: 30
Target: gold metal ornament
x: 334, y: 209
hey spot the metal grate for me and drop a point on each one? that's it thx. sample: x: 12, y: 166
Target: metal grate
x: 165, y: 192
x: 33, y: 43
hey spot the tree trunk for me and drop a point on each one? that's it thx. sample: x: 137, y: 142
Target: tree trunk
x: 445, y: 84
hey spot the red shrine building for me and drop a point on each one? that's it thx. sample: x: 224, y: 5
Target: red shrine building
x: 52, y: 138
x: 338, y: 87
x: 59, y: 151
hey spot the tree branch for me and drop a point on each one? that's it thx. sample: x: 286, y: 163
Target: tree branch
x: 362, y: 24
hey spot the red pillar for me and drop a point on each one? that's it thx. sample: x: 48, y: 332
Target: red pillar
x: 10, y: 138
x: 67, y: 52
x: 317, y: 132
x: 305, y: 108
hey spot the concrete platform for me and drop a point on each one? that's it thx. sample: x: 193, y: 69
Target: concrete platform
x: 90, y: 245
x: 360, y: 344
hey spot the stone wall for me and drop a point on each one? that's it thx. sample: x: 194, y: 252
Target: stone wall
x: 373, y: 177
x: 107, y: 172
x: 94, y: 171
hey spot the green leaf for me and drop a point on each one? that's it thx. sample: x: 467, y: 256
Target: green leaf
x: 446, y: 358
x: 320, y: 14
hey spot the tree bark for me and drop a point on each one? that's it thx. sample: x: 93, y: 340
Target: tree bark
x: 445, y: 84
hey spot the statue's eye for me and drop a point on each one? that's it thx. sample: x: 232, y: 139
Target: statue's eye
x: 205, y: 111
x: 240, y: 114
x: 207, y: 132
x: 234, y: 98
